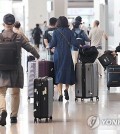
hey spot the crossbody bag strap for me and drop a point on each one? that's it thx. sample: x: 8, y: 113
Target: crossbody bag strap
x: 64, y: 37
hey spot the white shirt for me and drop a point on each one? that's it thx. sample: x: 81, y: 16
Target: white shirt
x: 95, y: 36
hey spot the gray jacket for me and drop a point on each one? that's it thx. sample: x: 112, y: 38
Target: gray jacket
x: 16, y: 78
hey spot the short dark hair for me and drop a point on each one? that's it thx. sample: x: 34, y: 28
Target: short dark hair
x: 78, y: 18
x: 52, y: 21
x: 37, y: 25
x: 9, y: 19
x: 62, y: 22
x: 97, y: 22
x: 17, y: 24
x: 76, y: 24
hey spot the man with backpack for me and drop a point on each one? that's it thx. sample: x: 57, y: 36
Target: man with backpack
x: 11, y: 70
x: 36, y: 34
x: 80, y: 36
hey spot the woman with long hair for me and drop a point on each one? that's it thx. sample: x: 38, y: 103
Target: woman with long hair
x: 63, y: 40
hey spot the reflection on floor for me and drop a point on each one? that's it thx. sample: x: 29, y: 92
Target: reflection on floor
x: 102, y: 117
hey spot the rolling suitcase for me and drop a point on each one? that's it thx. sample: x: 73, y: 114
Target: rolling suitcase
x: 46, y: 68
x: 31, y: 76
x: 29, y: 59
x: 113, y: 76
x: 43, y: 98
x: 86, y: 85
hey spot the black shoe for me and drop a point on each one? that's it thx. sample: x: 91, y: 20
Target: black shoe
x: 60, y: 98
x: 66, y: 94
x: 13, y: 119
x: 3, y: 118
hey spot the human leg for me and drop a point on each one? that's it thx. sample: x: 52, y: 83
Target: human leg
x: 15, y: 101
x: 3, y: 112
x: 66, y: 92
x: 59, y: 86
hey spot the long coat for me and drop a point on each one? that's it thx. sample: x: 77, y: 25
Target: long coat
x: 63, y: 63
x: 16, y: 78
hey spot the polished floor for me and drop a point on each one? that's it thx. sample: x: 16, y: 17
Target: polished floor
x: 70, y: 117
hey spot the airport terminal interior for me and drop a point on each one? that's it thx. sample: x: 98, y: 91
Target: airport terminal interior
x: 69, y: 117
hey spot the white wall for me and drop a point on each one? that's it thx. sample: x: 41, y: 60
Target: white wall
x: 116, y: 22
x: 37, y: 12
x: 59, y: 8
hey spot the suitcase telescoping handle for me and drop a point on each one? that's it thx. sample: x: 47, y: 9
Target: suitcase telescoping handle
x: 37, y: 66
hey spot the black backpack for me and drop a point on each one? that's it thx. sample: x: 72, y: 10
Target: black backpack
x: 79, y: 38
x: 8, y: 53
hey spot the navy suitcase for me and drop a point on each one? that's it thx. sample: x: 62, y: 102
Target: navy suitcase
x: 113, y: 76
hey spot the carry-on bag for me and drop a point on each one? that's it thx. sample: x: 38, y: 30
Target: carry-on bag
x: 113, y: 76
x: 46, y: 68
x: 88, y: 54
x: 86, y: 85
x: 43, y: 98
x: 108, y: 59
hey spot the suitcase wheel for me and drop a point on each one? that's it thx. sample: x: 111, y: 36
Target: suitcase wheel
x: 39, y: 120
x: 50, y: 118
x: 46, y: 120
x: 82, y: 99
x: 76, y: 99
x: 91, y: 99
x: 35, y: 120
x: 97, y: 98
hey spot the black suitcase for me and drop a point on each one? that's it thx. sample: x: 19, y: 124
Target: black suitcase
x: 43, y: 98
x: 113, y: 76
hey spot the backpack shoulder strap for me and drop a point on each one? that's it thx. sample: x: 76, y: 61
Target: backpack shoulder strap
x: 81, y: 32
x: 1, y: 37
x: 14, y: 36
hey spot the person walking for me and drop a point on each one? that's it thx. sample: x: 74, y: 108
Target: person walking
x: 63, y: 39
x: 13, y: 79
x: 81, y: 38
x: 36, y: 34
x: 48, y: 35
x: 96, y: 34
x: 17, y: 29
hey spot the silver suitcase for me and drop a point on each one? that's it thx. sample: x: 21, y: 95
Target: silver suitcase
x: 31, y: 77
x: 86, y: 85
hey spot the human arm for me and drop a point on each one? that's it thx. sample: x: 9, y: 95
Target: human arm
x: 45, y: 39
x: 85, y: 37
x: 53, y: 42
x: 26, y: 45
x: 105, y: 36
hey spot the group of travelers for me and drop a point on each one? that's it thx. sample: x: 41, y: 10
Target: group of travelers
x: 60, y: 40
